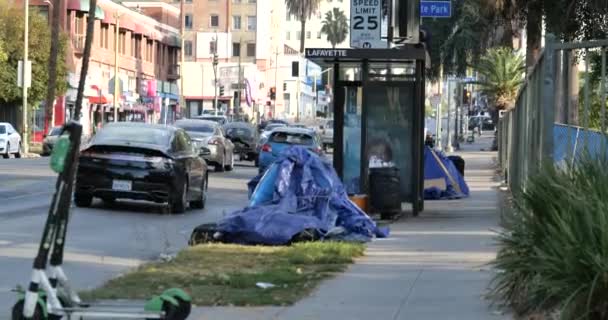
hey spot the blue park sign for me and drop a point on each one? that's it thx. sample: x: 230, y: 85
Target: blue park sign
x: 435, y: 9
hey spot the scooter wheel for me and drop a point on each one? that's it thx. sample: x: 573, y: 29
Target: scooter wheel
x: 17, y: 312
x: 183, y: 309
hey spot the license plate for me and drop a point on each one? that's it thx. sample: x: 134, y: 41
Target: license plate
x: 121, y: 185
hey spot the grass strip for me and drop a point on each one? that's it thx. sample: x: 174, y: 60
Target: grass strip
x: 224, y: 274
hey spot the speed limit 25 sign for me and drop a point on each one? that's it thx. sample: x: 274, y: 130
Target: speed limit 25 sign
x: 365, y: 24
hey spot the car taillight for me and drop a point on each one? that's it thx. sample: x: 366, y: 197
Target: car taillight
x: 266, y: 148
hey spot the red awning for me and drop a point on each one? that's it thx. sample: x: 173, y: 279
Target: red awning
x: 83, y: 6
x: 126, y: 22
x: 140, y: 29
x: 98, y: 100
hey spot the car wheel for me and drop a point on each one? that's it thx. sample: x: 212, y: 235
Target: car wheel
x: 83, y: 200
x: 180, y: 201
x: 108, y: 201
x: 8, y: 153
x: 200, y: 203
x: 18, y: 153
x: 220, y: 166
x: 231, y: 165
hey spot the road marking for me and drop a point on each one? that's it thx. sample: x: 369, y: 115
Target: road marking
x: 29, y: 195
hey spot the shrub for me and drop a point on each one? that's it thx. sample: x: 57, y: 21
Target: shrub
x: 554, y: 247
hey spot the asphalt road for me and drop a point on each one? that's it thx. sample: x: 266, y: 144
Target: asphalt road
x: 102, y: 241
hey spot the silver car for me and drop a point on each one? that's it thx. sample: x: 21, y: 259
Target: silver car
x: 49, y: 140
x: 209, y: 135
x: 10, y: 140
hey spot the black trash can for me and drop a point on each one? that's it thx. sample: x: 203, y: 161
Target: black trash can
x: 458, y: 163
x: 385, y: 195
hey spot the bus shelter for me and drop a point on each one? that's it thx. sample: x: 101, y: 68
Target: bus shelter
x: 378, y: 109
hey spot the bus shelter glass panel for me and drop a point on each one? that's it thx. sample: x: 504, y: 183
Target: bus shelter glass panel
x: 390, y: 129
x: 351, y: 172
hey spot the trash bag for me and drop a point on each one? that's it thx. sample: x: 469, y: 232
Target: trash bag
x: 299, y: 193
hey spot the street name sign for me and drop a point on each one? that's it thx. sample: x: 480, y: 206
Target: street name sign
x: 365, y: 24
x: 435, y: 9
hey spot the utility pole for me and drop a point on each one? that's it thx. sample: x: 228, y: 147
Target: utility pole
x: 182, y: 101
x: 298, y: 90
x: 448, y: 144
x: 116, y: 91
x: 237, y: 107
x: 25, y: 136
x: 215, y: 62
x: 276, y: 74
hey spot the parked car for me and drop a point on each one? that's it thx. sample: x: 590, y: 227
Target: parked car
x: 209, y: 134
x: 326, y: 130
x: 269, y: 128
x: 10, y: 141
x: 245, y: 138
x: 212, y: 112
x: 130, y: 160
x: 264, y: 124
x: 49, y: 140
x: 220, y: 119
x: 485, y: 122
x: 283, y: 138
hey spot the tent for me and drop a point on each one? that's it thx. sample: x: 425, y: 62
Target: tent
x: 442, y: 180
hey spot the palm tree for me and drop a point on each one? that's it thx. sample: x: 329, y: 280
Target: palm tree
x: 303, y: 10
x: 502, y: 73
x: 335, y: 26
x: 50, y: 94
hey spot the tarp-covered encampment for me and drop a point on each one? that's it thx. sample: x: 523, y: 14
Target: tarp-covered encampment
x: 442, y: 180
x: 299, y: 193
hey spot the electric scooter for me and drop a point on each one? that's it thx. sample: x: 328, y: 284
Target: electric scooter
x: 49, y: 295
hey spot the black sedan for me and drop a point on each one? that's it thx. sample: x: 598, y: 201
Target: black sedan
x: 245, y: 138
x: 127, y: 160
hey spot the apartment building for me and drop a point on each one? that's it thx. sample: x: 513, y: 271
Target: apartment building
x: 313, y: 35
x: 148, y: 55
x: 227, y: 29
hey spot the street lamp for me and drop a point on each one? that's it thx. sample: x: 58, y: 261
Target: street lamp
x: 117, y: 17
x: 25, y: 69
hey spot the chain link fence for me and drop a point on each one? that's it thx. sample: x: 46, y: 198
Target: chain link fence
x: 539, y: 129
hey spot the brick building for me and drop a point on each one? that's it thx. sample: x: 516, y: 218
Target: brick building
x: 148, y: 61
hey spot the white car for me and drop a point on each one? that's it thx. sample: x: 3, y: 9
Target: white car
x: 10, y: 141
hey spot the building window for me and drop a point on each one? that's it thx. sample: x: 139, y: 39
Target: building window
x: 236, y: 22
x: 188, y: 1
x: 122, y: 42
x: 308, y: 35
x: 149, y: 50
x: 214, y: 21
x: 236, y: 49
x: 251, y: 49
x: 212, y: 47
x: 298, y: 35
x: 318, y: 34
x: 287, y: 35
x: 251, y: 23
x: 237, y: 1
x: 252, y: 1
x: 188, y: 21
x: 104, y: 38
x: 188, y: 48
x: 288, y: 17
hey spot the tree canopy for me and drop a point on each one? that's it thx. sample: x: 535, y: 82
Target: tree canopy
x: 11, y: 48
x: 335, y: 26
x: 302, y: 10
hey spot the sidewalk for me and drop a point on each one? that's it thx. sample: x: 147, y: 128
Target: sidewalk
x: 431, y: 267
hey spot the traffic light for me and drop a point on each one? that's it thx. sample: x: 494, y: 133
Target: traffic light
x: 221, y: 91
x: 273, y: 93
x: 466, y: 96
x: 284, y: 86
x: 215, y: 59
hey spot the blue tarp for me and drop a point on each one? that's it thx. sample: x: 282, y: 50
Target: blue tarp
x: 438, y: 166
x: 299, y: 192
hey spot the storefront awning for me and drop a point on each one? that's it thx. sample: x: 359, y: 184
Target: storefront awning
x: 83, y: 6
